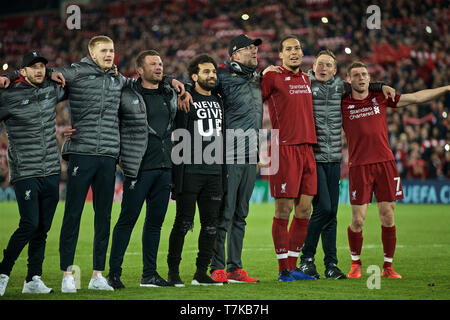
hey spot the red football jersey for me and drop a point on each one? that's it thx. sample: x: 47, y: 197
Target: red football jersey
x: 290, y: 106
x: 365, y: 126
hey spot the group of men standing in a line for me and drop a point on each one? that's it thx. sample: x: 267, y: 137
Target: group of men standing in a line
x: 114, y: 118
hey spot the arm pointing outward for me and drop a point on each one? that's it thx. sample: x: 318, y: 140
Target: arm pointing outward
x: 422, y: 96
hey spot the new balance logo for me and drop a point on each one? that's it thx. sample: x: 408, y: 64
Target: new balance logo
x: 28, y: 195
x: 287, y: 78
x: 354, y: 195
x: 133, y: 184
x: 75, y: 172
x: 399, y: 193
x: 283, y: 187
x: 351, y: 106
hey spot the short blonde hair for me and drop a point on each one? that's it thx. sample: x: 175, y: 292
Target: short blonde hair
x: 98, y: 39
x: 327, y: 52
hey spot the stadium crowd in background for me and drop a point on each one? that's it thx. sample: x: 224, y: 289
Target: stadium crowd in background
x: 408, y: 52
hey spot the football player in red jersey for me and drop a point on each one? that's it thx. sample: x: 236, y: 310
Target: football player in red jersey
x: 294, y: 185
x: 371, y: 162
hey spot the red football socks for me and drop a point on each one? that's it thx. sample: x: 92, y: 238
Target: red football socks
x: 388, y: 237
x: 297, y: 236
x: 355, y: 241
x: 280, y: 241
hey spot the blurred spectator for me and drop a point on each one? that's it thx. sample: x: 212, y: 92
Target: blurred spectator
x: 416, y: 167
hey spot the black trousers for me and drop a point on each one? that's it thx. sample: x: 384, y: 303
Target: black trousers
x: 37, y: 199
x: 152, y: 186
x: 323, y: 220
x: 205, y: 190
x: 86, y: 171
x: 232, y: 217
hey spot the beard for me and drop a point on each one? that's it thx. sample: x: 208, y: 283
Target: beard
x: 206, y: 84
x: 34, y: 81
x: 252, y: 63
x: 359, y: 90
x: 155, y: 79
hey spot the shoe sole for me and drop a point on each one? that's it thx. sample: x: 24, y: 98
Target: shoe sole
x: 69, y: 291
x: 43, y: 292
x: 391, y: 277
x: 237, y: 281
x: 152, y: 286
x: 280, y: 280
x: 196, y: 283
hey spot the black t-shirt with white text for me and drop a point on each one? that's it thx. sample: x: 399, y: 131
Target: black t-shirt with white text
x: 205, y: 120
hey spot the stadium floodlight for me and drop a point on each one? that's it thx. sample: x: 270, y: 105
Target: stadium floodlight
x: 444, y: 115
x: 245, y: 16
x: 348, y: 50
x: 447, y: 147
x: 5, y: 67
x: 324, y: 20
x: 428, y: 29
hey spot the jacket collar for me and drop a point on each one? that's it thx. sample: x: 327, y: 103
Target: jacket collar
x: 21, y: 81
x: 91, y: 62
x: 240, y: 68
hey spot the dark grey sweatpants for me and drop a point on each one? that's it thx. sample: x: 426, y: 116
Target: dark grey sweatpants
x: 231, y: 226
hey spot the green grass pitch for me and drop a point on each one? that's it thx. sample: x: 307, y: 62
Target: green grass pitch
x: 422, y: 257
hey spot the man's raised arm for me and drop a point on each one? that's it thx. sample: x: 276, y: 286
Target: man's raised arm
x: 422, y: 96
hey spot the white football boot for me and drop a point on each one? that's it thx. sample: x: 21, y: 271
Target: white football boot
x: 68, y: 284
x: 99, y: 283
x: 36, y: 285
x: 3, y: 283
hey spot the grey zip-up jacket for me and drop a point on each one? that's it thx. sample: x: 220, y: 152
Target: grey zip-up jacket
x: 29, y: 114
x: 327, y: 117
x: 327, y: 97
x: 94, y: 98
x: 135, y: 130
x: 243, y: 106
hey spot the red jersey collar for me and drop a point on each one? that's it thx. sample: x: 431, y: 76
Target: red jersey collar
x: 298, y: 74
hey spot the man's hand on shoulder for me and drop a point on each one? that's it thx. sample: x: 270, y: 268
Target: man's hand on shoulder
x: 271, y: 68
x: 59, y: 78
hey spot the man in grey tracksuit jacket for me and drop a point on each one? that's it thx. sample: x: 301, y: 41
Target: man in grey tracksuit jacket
x: 28, y: 109
x: 92, y: 151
